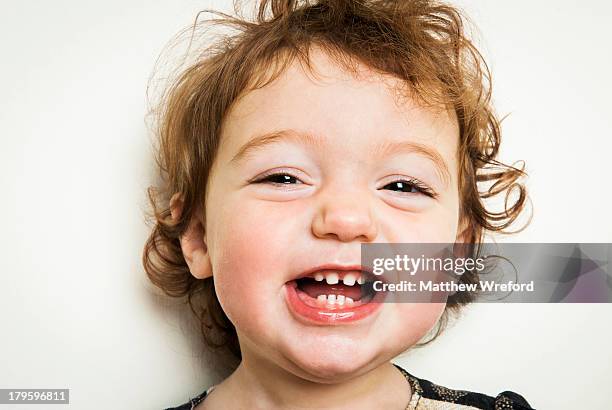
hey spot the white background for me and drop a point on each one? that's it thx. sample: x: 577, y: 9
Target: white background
x: 75, y: 161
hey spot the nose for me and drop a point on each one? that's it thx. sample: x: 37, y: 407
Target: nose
x: 345, y: 216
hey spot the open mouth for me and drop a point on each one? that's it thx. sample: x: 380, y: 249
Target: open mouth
x: 336, y: 289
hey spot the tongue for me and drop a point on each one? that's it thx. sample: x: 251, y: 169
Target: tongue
x: 314, y: 289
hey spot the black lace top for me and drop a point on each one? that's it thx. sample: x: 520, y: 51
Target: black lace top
x: 429, y: 396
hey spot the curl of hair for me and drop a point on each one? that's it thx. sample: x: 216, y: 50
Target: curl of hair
x: 421, y: 42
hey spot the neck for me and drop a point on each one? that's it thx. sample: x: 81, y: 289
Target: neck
x: 265, y: 385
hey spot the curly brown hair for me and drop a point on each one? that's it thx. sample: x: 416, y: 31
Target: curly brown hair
x: 421, y: 42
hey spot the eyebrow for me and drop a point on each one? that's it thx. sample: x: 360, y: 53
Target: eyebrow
x: 269, y: 138
x: 382, y: 149
x: 387, y: 148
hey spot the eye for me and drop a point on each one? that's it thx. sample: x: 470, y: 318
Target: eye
x: 411, y: 186
x: 278, y: 178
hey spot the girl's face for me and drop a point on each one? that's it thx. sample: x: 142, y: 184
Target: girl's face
x: 341, y: 144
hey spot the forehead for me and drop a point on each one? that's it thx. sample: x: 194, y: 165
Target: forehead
x: 348, y: 110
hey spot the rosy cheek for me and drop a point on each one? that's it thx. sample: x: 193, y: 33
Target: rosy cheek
x: 236, y: 270
x: 248, y: 263
x: 441, y: 228
x: 417, y: 319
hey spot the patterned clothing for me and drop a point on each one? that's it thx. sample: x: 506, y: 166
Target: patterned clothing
x: 429, y: 396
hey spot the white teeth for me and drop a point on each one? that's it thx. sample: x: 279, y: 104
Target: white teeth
x: 332, y: 300
x: 349, y: 279
x: 331, y: 278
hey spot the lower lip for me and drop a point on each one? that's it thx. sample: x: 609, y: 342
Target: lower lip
x: 328, y: 316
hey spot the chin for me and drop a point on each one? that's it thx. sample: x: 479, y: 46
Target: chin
x: 332, y: 362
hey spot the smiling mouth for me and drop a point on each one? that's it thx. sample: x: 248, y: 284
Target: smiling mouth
x: 335, y: 290
x: 332, y: 296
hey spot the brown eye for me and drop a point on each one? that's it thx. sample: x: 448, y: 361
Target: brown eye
x: 403, y: 186
x: 411, y: 186
x: 279, y: 178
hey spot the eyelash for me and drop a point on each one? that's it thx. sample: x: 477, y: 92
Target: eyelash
x: 411, y: 182
x: 416, y: 184
x: 269, y: 176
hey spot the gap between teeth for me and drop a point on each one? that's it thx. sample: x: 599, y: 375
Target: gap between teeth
x: 333, y: 278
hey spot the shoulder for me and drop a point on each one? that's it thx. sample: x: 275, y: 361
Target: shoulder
x: 427, y: 394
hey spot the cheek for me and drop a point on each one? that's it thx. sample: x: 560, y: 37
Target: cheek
x: 414, y: 320
x: 438, y: 226
x: 248, y: 257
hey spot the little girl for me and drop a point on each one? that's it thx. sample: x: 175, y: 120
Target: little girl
x: 316, y: 128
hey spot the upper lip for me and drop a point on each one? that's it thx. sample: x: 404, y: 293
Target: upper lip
x: 336, y: 267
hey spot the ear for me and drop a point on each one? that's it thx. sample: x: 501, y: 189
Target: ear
x: 193, y: 241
